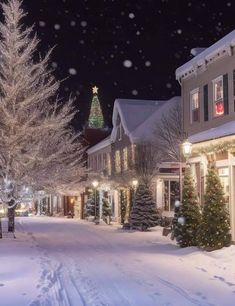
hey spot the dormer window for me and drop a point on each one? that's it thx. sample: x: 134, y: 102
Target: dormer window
x: 218, y: 96
x: 194, y: 103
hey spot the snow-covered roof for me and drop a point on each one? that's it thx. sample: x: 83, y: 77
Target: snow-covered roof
x: 214, y: 133
x: 139, y: 117
x: 100, y: 145
x: 221, y: 47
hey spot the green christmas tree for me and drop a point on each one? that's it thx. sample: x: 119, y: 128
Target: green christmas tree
x: 188, y: 214
x: 123, y: 205
x: 90, y: 207
x: 96, y: 119
x: 144, y: 211
x: 214, y: 231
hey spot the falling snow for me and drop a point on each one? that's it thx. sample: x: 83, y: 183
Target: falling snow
x: 72, y: 71
x: 127, y: 64
x: 57, y: 26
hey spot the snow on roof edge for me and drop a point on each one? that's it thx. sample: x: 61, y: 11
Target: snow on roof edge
x: 100, y: 145
x: 225, y: 42
x: 223, y: 130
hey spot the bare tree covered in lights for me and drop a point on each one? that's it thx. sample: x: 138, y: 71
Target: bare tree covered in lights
x: 37, y: 147
x: 169, y: 133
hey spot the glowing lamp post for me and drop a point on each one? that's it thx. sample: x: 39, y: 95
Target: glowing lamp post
x: 187, y: 149
x: 95, y: 185
x: 134, y: 185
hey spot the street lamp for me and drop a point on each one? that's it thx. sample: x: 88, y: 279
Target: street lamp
x: 134, y: 185
x: 95, y: 185
x: 187, y: 149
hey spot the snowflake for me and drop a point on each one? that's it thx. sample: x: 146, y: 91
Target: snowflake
x: 73, y: 23
x: 179, y: 31
x: 127, y: 63
x: 42, y: 23
x: 57, y: 26
x: 72, y: 71
x: 83, y: 24
x: 168, y: 85
x: 54, y: 64
x: 131, y: 15
x: 134, y: 92
x: 147, y: 63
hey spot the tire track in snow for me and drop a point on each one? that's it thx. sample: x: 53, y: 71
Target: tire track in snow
x: 183, y: 293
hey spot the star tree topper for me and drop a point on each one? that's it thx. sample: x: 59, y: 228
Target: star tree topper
x: 95, y: 90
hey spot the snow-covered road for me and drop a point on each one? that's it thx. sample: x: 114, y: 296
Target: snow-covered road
x: 64, y: 262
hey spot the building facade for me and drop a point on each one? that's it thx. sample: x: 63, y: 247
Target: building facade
x: 208, y: 100
x: 113, y: 161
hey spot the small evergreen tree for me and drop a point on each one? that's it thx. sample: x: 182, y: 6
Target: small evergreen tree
x: 144, y: 211
x: 214, y: 229
x: 106, y: 209
x: 123, y: 205
x: 188, y: 214
x: 90, y: 207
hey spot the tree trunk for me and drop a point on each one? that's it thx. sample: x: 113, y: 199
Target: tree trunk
x: 11, y: 217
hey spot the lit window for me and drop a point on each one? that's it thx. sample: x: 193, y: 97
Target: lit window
x: 117, y: 161
x: 120, y: 132
x: 109, y: 164
x: 125, y: 159
x: 218, y: 96
x: 194, y: 101
x: 133, y: 154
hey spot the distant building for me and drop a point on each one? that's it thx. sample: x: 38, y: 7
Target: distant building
x: 112, y: 160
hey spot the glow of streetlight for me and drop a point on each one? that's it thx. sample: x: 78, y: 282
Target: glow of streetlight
x: 95, y: 184
x: 187, y: 149
x: 134, y: 183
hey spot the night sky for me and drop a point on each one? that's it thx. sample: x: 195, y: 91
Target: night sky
x: 129, y: 49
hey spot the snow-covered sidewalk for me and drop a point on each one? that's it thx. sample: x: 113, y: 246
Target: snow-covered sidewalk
x: 57, y: 261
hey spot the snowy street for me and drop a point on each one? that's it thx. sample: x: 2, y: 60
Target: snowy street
x: 57, y: 261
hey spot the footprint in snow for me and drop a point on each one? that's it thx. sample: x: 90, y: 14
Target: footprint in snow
x: 201, y: 269
x: 223, y: 280
x: 1, y: 285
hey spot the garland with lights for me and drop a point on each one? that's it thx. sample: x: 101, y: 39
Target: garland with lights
x: 218, y: 148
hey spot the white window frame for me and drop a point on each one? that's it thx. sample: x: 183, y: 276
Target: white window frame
x: 218, y: 79
x: 196, y: 90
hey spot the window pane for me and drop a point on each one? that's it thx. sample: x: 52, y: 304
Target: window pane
x: 218, y: 90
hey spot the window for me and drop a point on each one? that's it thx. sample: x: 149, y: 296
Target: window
x: 133, y: 155
x: 104, y: 161
x: 194, y: 102
x: 120, y: 132
x: 125, y: 159
x: 218, y: 96
x: 117, y: 161
x: 109, y: 163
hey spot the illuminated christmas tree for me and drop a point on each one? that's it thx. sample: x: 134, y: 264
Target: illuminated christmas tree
x: 214, y: 231
x: 187, y: 215
x: 96, y: 119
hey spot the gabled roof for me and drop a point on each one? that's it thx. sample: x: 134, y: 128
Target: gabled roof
x: 221, y: 47
x: 139, y: 117
x: 100, y: 145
